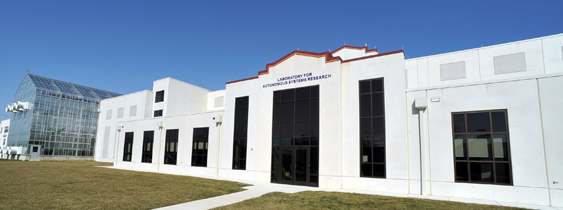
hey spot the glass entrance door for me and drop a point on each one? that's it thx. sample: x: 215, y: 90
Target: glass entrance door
x: 295, y: 165
x: 301, y: 165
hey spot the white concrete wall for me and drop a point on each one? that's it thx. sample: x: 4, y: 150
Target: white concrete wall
x: 542, y: 56
x: 530, y: 97
x: 234, y: 90
x: 391, y: 69
x: 350, y: 53
x: 329, y: 116
x: 105, y: 149
x: 551, y: 115
x: 216, y: 100
x: 4, y: 138
x: 4, y: 135
x: 521, y: 100
x: 180, y: 97
x: 185, y: 124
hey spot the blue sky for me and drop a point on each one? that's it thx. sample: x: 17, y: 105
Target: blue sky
x: 122, y: 46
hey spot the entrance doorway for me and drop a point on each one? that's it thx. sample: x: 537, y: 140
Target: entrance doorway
x: 34, y: 154
x: 295, y: 165
x: 295, y: 137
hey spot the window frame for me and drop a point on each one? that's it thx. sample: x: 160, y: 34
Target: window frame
x: 490, y: 148
x: 200, y: 135
x: 148, y: 141
x: 240, y: 133
x: 128, y: 143
x: 171, y: 156
x: 159, y: 96
x: 372, y: 135
x: 158, y: 113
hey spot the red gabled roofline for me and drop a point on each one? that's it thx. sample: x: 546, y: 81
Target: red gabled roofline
x: 372, y: 56
x: 356, y: 48
x: 240, y: 80
x: 328, y: 59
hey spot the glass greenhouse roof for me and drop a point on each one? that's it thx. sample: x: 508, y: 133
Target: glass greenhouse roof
x: 43, y: 83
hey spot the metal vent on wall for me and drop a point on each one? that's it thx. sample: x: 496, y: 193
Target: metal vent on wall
x: 511, y: 63
x: 219, y: 101
x: 133, y: 111
x: 120, y: 113
x: 452, y: 71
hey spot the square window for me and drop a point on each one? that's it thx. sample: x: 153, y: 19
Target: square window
x: 159, y: 96
x: 481, y: 147
x: 158, y: 113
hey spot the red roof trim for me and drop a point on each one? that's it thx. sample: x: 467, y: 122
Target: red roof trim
x: 240, y: 80
x: 328, y: 59
x: 356, y: 48
x: 372, y: 56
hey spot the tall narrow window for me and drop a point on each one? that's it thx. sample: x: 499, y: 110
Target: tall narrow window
x: 372, y: 128
x: 199, y: 149
x: 171, y: 147
x: 295, y: 136
x: 148, y: 139
x: 481, y: 147
x: 128, y: 146
x: 159, y: 96
x: 240, y: 135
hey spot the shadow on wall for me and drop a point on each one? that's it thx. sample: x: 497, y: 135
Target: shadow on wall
x: 414, y: 110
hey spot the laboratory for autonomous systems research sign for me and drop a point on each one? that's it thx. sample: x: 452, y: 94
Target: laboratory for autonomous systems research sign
x: 298, y: 78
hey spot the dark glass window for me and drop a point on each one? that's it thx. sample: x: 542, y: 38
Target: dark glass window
x: 199, y: 149
x: 128, y: 146
x: 481, y: 147
x: 240, y: 135
x: 372, y: 128
x: 171, y: 147
x: 148, y: 140
x: 159, y: 97
x: 295, y: 124
x: 158, y: 113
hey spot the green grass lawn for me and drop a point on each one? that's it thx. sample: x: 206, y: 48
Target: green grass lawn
x: 79, y: 185
x: 335, y: 200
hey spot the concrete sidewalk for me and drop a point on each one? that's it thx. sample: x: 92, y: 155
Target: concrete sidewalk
x: 258, y: 189
x: 251, y: 192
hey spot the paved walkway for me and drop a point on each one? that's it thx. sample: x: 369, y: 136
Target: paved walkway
x: 258, y: 189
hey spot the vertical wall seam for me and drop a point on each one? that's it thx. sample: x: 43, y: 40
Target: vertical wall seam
x: 408, y: 144
x: 429, y: 171
x: 479, y: 63
x: 427, y: 73
x: 542, y: 58
x: 417, y: 83
x: 543, y: 143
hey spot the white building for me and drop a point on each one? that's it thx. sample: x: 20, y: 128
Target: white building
x: 4, y: 130
x: 481, y: 123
